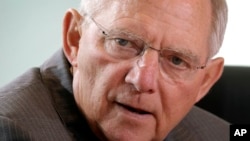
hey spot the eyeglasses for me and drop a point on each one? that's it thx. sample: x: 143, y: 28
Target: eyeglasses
x: 175, y: 64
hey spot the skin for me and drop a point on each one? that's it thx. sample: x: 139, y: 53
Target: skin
x: 102, y: 85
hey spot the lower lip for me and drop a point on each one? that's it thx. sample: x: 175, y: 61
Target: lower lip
x: 133, y: 115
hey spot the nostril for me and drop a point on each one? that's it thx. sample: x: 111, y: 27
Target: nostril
x: 150, y: 91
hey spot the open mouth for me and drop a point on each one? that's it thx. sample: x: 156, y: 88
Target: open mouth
x: 133, y: 110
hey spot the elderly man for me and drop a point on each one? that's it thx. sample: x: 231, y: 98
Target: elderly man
x: 129, y: 70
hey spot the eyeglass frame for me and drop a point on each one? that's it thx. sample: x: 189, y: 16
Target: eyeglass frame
x: 145, y: 47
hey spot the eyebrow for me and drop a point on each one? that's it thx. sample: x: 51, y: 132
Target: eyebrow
x: 119, y: 30
x: 127, y: 32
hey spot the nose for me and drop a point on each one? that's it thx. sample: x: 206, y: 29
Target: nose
x: 144, y: 73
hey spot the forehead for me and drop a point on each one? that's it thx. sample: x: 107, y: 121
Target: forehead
x: 157, y: 8
x: 159, y: 20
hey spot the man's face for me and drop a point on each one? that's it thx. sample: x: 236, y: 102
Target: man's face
x: 130, y: 99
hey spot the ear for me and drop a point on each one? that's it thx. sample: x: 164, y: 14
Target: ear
x: 71, y: 35
x: 213, y: 72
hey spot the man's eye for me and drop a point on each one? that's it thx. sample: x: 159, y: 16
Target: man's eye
x: 121, y: 42
x: 176, y: 60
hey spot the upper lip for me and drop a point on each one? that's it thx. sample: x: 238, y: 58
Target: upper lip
x: 134, y: 109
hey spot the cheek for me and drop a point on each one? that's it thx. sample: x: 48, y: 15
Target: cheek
x: 181, y: 97
x: 177, y: 100
x: 84, y: 84
x: 93, y: 81
x: 82, y: 87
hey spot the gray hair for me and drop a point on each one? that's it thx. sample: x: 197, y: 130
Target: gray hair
x: 219, y: 23
x: 219, y: 19
x: 93, y: 7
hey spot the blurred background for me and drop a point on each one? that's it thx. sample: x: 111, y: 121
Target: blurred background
x: 30, y: 32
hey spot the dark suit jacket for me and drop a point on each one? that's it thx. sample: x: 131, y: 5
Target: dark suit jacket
x: 39, y: 105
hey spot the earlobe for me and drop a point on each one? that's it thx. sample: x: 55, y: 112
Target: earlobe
x: 71, y: 35
x: 213, y: 72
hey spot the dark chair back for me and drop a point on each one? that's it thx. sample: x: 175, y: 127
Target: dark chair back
x: 229, y: 98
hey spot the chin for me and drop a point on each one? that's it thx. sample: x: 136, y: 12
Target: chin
x: 129, y: 135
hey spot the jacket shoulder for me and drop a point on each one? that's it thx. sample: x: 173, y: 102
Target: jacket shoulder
x: 23, y: 88
x: 28, y: 106
x: 24, y: 95
x: 200, y: 125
